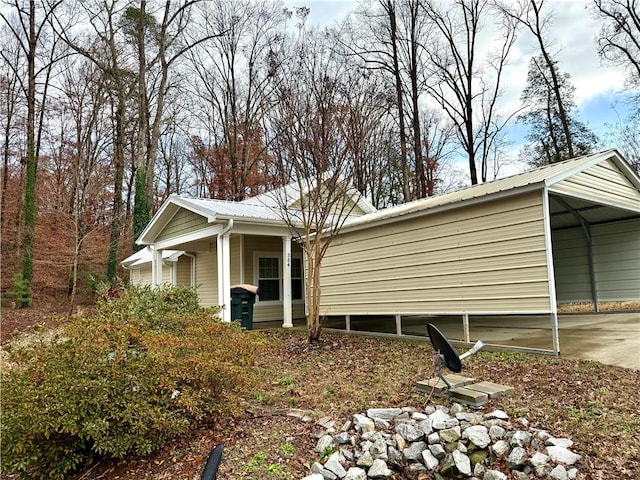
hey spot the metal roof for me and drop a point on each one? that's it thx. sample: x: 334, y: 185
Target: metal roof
x: 145, y: 256
x: 226, y: 209
x: 290, y: 194
x: 540, y: 177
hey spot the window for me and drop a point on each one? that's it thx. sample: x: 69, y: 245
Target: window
x: 269, y: 278
x: 296, y: 279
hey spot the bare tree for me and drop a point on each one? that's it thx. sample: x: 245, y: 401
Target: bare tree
x: 375, y: 38
x: 529, y: 14
x: 619, y: 39
x: 30, y: 29
x: 234, y: 70
x: 161, y: 36
x: 309, y: 140
x: 83, y: 148
x: 11, y: 115
x: 460, y: 82
x: 438, y: 136
x: 101, y: 44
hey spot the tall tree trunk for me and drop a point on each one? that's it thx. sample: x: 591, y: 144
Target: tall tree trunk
x: 421, y: 180
x: 390, y: 8
x: 116, y: 221
x: 143, y: 177
x: 536, y: 29
x: 31, y: 167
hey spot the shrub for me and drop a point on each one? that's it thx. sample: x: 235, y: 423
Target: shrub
x: 119, y: 383
x: 21, y: 292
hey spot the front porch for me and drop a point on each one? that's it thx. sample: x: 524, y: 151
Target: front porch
x: 240, y: 254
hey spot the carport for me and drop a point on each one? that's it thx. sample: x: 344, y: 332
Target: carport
x: 506, y: 252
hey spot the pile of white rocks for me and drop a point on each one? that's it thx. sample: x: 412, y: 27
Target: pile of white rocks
x: 442, y: 443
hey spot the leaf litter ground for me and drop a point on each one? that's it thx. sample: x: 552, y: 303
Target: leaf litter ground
x: 593, y: 404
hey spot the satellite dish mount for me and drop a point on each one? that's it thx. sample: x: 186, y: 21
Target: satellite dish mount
x: 446, y: 355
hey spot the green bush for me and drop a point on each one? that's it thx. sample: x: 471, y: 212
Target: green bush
x: 21, y: 292
x: 147, y: 366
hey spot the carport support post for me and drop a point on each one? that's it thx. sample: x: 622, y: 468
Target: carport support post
x: 554, y: 332
x: 553, y: 302
x: 465, y: 327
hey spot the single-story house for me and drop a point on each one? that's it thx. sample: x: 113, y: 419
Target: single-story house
x: 567, y: 232
x: 215, y: 244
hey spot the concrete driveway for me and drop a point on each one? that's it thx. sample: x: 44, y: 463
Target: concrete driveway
x: 612, y: 338
x: 609, y: 338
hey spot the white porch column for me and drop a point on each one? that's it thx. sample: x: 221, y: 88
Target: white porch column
x: 287, y: 316
x: 156, y: 268
x: 224, y: 276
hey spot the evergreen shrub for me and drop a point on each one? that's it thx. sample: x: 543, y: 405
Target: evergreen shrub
x: 147, y: 366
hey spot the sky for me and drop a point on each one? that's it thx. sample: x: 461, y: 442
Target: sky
x: 574, y: 30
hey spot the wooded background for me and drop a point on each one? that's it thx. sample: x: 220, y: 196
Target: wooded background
x: 110, y: 106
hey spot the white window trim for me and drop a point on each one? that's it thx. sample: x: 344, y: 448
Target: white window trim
x: 299, y: 301
x: 256, y: 271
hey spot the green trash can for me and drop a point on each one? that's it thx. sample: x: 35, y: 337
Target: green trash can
x: 242, y: 299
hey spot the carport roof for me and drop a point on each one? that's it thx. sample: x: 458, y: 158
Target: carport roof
x: 539, y: 178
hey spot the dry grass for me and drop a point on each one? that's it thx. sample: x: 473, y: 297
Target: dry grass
x: 582, y: 307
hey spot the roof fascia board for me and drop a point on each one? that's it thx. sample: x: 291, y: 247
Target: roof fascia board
x: 200, y: 210
x: 361, y: 201
x: 158, y: 223
x: 444, y: 208
x: 252, y: 220
x: 628, y: 172
x: 211, y: 231
x: 269, y: 230
x: 581, y: 166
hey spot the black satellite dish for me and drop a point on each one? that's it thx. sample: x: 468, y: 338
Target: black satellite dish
x: 446, y: 355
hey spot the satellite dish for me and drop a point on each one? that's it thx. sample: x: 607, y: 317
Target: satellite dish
x: 446, y: 355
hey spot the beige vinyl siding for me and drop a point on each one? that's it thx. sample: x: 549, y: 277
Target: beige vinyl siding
x: 134, y: 276
x: 604, y: 183
x: 617, y: 260
x: 487, y: 257
x: 183, y: 222
x: 184, y: 270
x: 235, y: 244
x: 571, y: 266
x: 207, y: 277
x: 145, y: 275
x: 166, y: 272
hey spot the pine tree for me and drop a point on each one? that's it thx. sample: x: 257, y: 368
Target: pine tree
x: 548, y: 142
